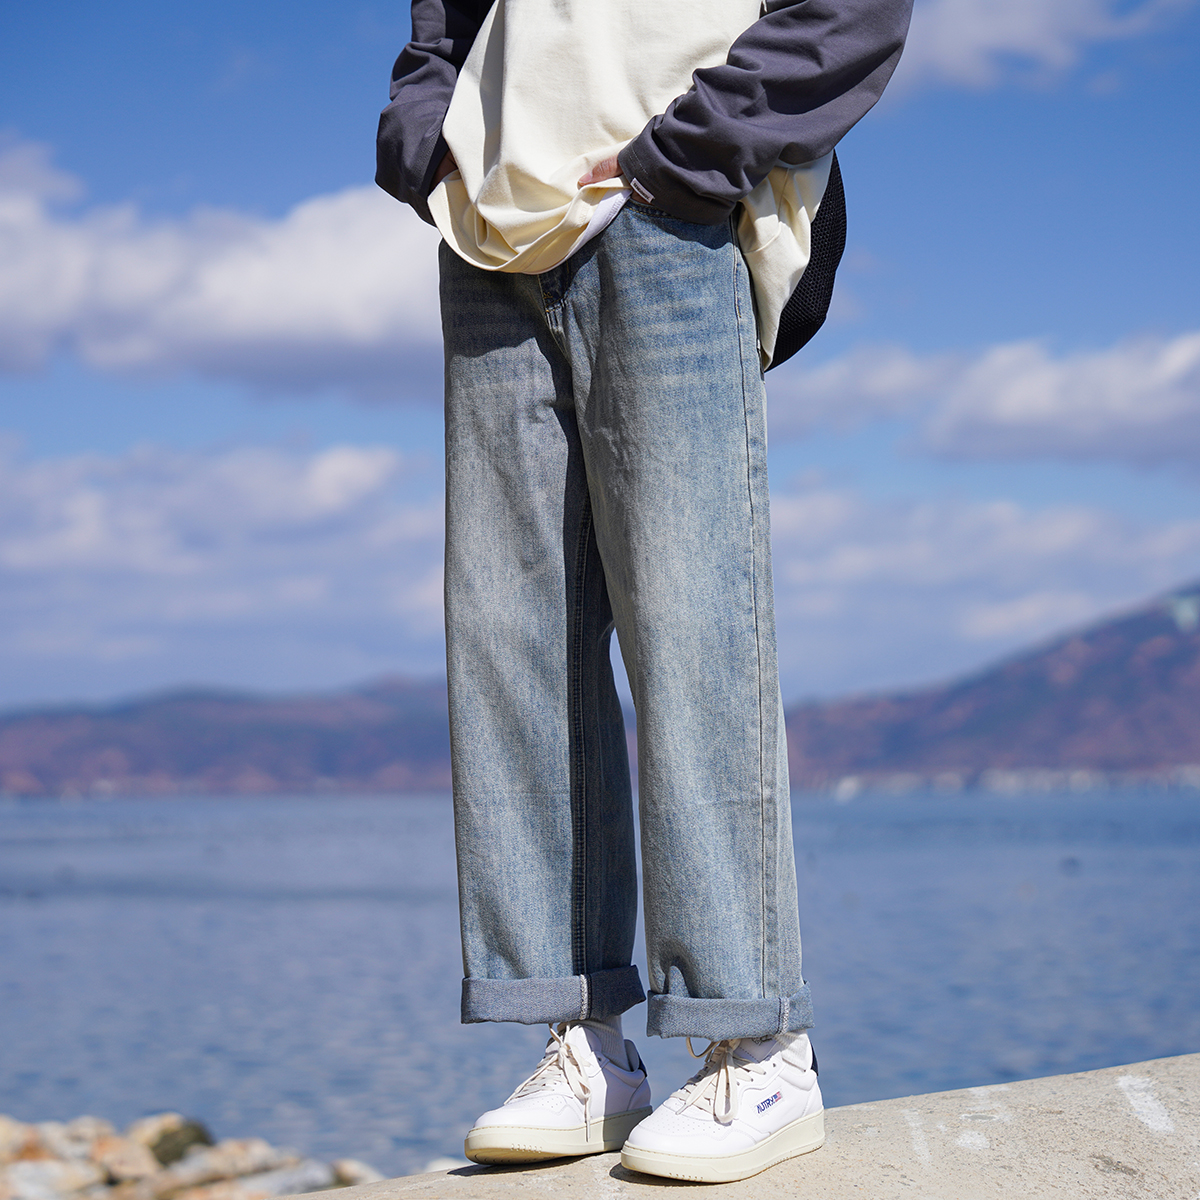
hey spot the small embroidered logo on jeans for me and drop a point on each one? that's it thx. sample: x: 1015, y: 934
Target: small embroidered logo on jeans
x: 769, y: 1101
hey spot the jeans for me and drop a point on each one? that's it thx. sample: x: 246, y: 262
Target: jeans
x: 606, y: 467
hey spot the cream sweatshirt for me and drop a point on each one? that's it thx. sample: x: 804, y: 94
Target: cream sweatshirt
x: 553, y: 87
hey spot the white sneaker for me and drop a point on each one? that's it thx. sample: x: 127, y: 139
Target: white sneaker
x: 576, y: 1102
x: 754, y: 1103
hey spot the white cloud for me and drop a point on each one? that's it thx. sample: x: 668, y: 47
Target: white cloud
x: 975, y: 43
x: 1135, y: 402
x: 874, y: 594
x: 1016, y: 616
x: 245, y: 565
x: 156, y: 512
x: 1139, y: 400
x: 340, y: 291
x: 266, y: 567
x: 865, y: 384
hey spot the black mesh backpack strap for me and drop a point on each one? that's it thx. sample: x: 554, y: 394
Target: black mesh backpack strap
x: 805, y: 311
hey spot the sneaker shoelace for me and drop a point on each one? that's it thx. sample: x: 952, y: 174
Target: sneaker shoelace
x: 714, y: 1088
x: 559, y: 1064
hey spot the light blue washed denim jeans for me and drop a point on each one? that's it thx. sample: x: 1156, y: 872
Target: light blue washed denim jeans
x: 606, y: 465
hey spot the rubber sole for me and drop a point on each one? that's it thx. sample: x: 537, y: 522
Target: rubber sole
x: 491, y: 1144
x: 800, y: 1137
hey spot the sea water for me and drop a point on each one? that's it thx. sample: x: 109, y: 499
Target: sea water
x: 289, y: 967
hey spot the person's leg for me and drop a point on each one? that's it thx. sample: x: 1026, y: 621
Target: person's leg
x: 660, y: 331
x: 543, y: 812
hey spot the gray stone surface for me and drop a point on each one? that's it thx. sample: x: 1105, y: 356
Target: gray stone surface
x: 311, y: 1175
x: 1131, y: 1131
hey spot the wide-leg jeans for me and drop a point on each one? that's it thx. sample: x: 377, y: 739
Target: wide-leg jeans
x: 606, y: 468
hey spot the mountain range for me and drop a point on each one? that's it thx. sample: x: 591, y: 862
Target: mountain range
x: 389, y: 736
x: 1117, y: 699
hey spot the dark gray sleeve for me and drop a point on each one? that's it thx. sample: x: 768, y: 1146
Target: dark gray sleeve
x: 793, y: 84
x: 409, y: 145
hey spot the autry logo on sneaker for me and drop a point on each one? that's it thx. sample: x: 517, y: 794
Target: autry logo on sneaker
x: 769, y: 1101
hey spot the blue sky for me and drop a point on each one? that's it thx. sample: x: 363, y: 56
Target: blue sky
x: 219, y: 422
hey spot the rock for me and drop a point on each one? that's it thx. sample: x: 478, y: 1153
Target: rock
x: 349, y: 1172
x: 132, y: 1189
x: 160, y: 1157
x: 49, y: 1178
x: 177, y: 1141
x: 226, y: 1160
x: 147, y: 1130
x: 224, y: 1189
x: 74, y: 1139
x: 310, y: 1175
x: 122, y: 1158
x: 307, y: 1176
x: 51, y: 1141
x: 88, y: 1129
x: 15, y: 1136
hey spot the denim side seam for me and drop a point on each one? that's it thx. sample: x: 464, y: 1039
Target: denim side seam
x: 687, y: 1016
x: 548, y: 1001
x: 768, y: 964
x: 578, y: 767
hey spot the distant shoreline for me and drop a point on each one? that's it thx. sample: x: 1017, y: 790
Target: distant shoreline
x: 1110, y: 706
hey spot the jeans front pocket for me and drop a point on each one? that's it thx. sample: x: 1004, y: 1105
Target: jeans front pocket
x: 660, y: 214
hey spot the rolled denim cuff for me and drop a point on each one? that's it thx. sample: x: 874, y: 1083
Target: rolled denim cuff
x: 685, y: 1016
x: 548, y: 1001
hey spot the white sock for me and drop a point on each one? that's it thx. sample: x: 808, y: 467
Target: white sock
x: 612, y: 1040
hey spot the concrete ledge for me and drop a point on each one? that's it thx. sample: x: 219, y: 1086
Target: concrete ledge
x: 1130, y: 1131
